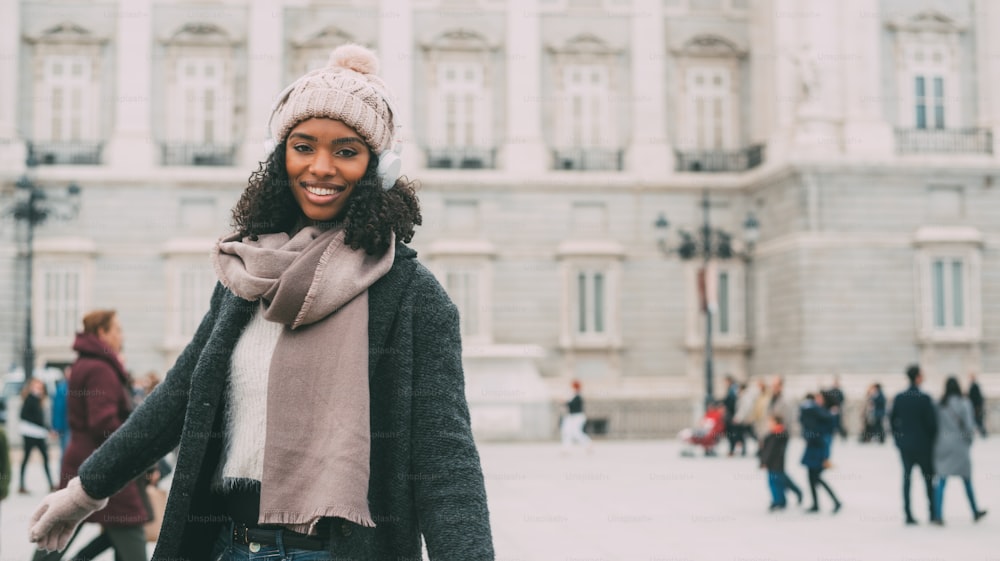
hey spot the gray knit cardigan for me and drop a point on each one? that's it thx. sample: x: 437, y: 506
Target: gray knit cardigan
x: 426, y: 477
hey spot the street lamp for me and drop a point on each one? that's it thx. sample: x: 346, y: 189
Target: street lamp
x: 709, y: 243
x: 34, y: 208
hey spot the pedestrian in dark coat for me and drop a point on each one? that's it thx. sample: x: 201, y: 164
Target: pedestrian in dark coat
x: 818, y: 427
x: 874, y: 415
x: 956, y: 428
x: 833, y: 400
x: 772, y: 458
x: 914, y: 428
x: 390, y: 448
x: 34, y: 430
x: 978, y: 404
x: 5, y: 470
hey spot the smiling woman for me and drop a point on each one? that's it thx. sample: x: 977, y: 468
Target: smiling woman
x: 323, y: 335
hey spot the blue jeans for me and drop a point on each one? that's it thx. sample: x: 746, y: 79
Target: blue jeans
x: 776, y: 482
x: 939, y: 496
x: 225, y: 550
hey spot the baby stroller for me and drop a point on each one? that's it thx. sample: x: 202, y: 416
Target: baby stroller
x: 706, y: 434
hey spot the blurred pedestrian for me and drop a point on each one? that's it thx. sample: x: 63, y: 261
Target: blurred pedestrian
x: 782, y: 406
x: 34, y: 430
x: 956, y: 428
x: 914, y: 428
x: 743, y: 417
x: 873, y: 415
x: 760, y: 416
x: 833, y: 399
x: 574, y: 421
x: 978, y: 404
x: 818, y: 427
x: 324, y: 318
x: 5, y: 469
x: 100, y: 400
x: 60, y: 420
x: 772, y: 458
x: 142, y: 387
x: 730, y: 399
x: 6, y: 473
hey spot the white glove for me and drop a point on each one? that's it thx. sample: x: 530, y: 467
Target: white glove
x: 55, y: 520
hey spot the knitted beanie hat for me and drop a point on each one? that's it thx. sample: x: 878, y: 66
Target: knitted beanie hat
x: 347, y: 90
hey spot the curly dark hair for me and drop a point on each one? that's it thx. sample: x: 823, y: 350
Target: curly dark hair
x: 370, y: 216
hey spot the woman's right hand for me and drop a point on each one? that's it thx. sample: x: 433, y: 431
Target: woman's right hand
x: 55, y: 520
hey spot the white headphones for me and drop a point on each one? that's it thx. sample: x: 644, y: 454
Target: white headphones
x: 390, y: 161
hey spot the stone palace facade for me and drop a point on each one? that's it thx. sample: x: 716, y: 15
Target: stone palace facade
x: 548, y: 137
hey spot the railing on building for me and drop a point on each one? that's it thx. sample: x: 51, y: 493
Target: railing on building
x: 75, y: 153
x: 720, y: 161
x: 185, y: 154
x: 944, y: 141
x: 464, y: 157
x: 588, y: 159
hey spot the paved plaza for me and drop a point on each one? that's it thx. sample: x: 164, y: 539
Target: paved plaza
x: 641, y: 501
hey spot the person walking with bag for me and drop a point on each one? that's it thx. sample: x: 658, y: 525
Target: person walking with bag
x: 956, y: 427
x: 323, y: 334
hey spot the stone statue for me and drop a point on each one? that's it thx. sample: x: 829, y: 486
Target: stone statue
x: 807, y: 70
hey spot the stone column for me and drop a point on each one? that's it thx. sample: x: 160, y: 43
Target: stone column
x: 12, y: 150
x: 650, y: 154
x: 131, y: 145
x: 816, y: 56
x: 265, y: 45
x: 773, y: 76
x: 987, y: 20
x: 866, y: 132
x: 397, y: 56
x: 524, y: 151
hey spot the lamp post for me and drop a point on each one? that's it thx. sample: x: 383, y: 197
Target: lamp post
x: 711, y: 243
x: 34, y: 209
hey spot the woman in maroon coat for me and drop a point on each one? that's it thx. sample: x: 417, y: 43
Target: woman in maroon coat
x: 99, y: 401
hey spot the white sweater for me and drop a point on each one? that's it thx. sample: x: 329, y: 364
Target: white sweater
x: 246, y: 403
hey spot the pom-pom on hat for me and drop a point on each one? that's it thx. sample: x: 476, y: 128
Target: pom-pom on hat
x: 346, y: 89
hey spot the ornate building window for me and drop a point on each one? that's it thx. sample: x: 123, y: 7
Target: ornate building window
x: 709, y: 108
x: 460, y: 101
x: 948, y: 271
x: 462, y: 260
x: 66, y: 109
x: 584, y: 127
x: 709, y: 134
x: 189, y: 283
x: 591, y: 273
x: 201, y: 101
x: 464, y: 283
x: 61, y: 290
x: 928, y: 58
x: 590, y: 302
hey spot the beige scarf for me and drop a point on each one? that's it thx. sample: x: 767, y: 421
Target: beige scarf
x: 317, y: 440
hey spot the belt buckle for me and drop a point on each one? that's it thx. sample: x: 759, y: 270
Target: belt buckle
x: 236, y: 534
